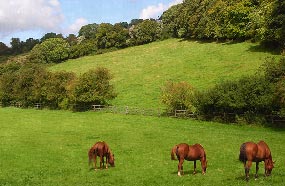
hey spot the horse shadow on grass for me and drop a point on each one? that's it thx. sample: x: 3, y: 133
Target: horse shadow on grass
x: 188, y: 172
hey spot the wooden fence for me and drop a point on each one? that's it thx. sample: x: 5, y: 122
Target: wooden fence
x: 274, y: 119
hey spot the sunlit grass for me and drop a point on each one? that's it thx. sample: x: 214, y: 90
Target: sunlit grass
x: 41, y: 147
x: 140, y: 71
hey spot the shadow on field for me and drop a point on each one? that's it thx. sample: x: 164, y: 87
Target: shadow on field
x: 189, y: 172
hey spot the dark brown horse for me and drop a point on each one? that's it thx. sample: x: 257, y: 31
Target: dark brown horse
x: 252, y: 152
x: 195, y: 152
x: 102, y: 150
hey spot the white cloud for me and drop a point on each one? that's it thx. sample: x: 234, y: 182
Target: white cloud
x: 75, y: 27
x: 25, y: 15
x: 153, y: 11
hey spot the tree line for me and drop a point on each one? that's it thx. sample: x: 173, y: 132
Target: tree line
x: 258, y: 20
x: 220, y: 20
x: 28, y: 84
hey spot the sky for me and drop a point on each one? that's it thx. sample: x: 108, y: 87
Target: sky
x: 33, y: 18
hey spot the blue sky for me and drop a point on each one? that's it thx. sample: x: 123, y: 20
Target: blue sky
x: 33, y: 18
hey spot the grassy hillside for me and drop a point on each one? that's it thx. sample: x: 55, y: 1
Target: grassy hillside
x: 140, y: 71
x: 50, y: 148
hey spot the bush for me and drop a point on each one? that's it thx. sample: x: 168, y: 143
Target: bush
x: 53, y: 50
x: 253, y: 94
x: 178, y: 96
x: 93, y: 87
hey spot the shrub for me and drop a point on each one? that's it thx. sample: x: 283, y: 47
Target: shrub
x: 53, y: 50
x: 93, y: 87
x: 178, y: 96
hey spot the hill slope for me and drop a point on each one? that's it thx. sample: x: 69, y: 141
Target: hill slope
x: 140, y: 71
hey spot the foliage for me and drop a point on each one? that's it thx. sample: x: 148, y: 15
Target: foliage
x: 88, y: 31
x: 93, y: 87
x: 274, y: 31
x: 262, y: 94
x: 145, y: 32
x: 53, y: 50
x: 29, y: 84
x: 83, y: 48
x: 225, y: 19
x: 178, y: 96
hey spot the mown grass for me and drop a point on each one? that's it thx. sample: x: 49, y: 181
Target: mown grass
x: 41, y: 147
x: 139, y: 72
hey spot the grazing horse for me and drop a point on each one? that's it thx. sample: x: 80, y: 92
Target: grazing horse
x: 252, y: 152
x: 102, y: 150
x: 195, y: 152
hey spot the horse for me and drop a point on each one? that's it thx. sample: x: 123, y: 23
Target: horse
x: 187, y: 152
x: 252, y: 152
x: 102, y: 150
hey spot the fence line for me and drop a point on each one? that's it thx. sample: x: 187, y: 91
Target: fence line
x: 179, y: 113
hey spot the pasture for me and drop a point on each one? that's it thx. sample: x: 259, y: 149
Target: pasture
x: 42, y: 147
x: 139, y: 72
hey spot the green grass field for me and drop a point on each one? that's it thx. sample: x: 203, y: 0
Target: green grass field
x: 139, y: 72
x: 49, y: 148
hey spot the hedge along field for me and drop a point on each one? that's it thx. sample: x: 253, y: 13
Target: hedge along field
x: 140, y: 71
x: 42, y: 147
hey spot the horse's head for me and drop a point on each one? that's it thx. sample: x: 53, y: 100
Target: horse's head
x: 204, y: 166
x: 112, y: 159
x: 269, y: 165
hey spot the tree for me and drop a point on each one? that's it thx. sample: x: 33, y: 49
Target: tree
x: 16, y: 45
x: 88, y: 31
x: 53, y: 50
x: 50, y: 35
x: 3, y: 48
x: 146, y: 32
x: 93, y: 87
x: 275, y: 25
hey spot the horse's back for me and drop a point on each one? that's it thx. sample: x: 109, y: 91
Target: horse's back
x: 197, y: 151
x: 264, y: 150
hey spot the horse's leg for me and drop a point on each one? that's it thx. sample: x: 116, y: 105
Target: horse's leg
x: 180, y: 167
x: 95, y: 162
x: 247, y: 168
x: 256, y: 169
x: 194, y: 167
x: 101, y: 161
x: 107, y: 161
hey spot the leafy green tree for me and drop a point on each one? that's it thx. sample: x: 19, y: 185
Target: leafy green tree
x: 88, y: 31
x: 3, y: 48
x: 50, y: 35
x: 146, y: 32
x: 93, y: 87
x: 16, y: 45
x: 53, y: 50
x: 56, y: 89
x: 83, y: 48
x: 275, y: 24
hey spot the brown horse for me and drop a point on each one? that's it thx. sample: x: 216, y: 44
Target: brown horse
x: 195, y: 152
x: 102, y: 150
x: 252, y: 152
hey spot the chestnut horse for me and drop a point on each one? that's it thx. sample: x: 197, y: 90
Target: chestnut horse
x: 102, y: 150
x: 195, y: 152
x: 252, y: 152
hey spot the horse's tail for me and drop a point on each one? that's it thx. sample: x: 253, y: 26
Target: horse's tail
x: 91, y: 155
x: 242, y: 153
x: 173, y: 152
